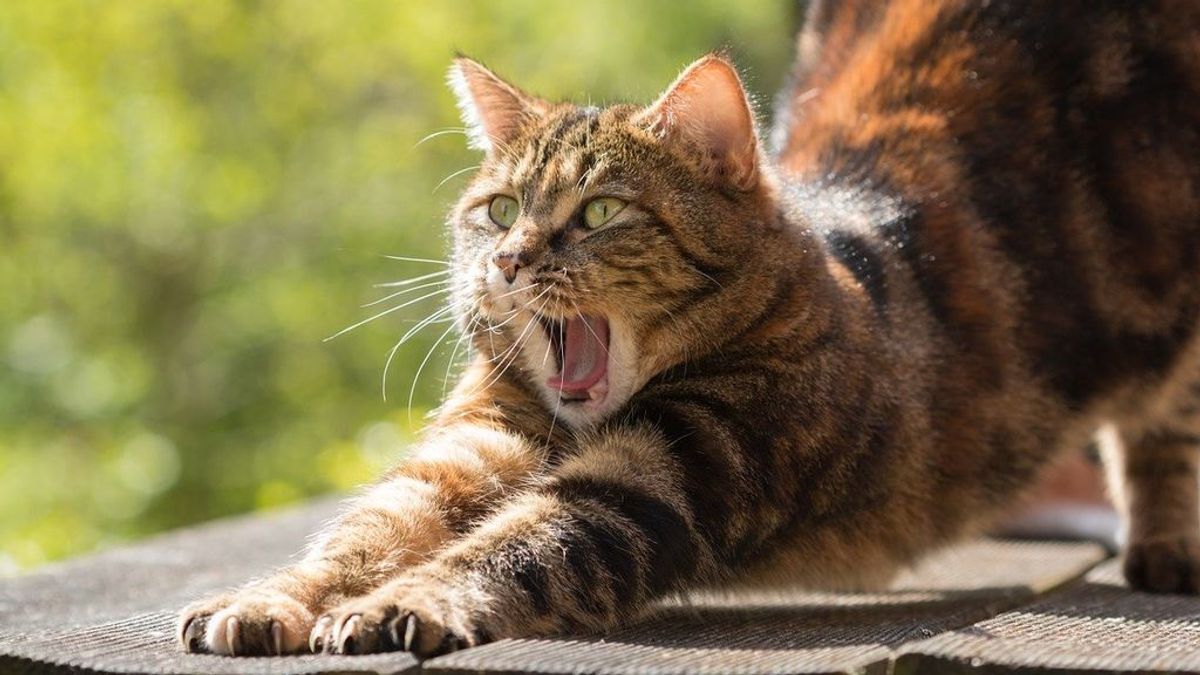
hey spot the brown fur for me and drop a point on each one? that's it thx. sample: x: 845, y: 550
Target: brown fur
x: 976, y: 246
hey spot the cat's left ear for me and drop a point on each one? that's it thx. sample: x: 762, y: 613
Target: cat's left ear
x: 708, y: 106
x: 492, y: 110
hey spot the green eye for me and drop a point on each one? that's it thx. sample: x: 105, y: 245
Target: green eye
x: 600, y: 211
x: 503, y: 211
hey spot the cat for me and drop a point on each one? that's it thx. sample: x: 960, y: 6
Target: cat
x: 697, y: 363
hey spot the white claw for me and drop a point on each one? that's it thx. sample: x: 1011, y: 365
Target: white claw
x: 277, y: 637
x: 232, y: 635
x: 410, y: 632
x: 321, y: 637
x: 346, y: 631
x: 394, y: 632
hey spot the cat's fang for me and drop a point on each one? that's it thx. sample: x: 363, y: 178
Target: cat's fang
x: 555, y: 333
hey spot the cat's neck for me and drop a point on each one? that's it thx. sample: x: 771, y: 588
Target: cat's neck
x: 792, y: 288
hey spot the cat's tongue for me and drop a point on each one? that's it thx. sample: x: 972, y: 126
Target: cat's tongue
x: 585, y: 355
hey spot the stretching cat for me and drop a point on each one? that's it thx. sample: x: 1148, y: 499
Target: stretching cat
x: 697, y: 364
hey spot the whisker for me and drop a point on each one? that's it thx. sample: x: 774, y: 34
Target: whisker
x: 533, y: 284
x: 513, y: 313
x: 442, y: 132
x: 557, y: 397
x: 677, y: 322
x: 413, y: 280
x: 492, y: 329
x: 502, y: 360
x: 710, y: 278
x: 420, y: 260
x: 431, y: 319
x: 411, y: 331
x: 406, y: 290
x: 384, y: 313
x: 454, y: 352
x: 516, y: 311
x: 416, y: 378
x: 509, y: 357
x: 586, y: 324
x: 512, y: 349
x: 515, y: 350
x: 554, y: 419
x: 549, y: 342
x: 454, y: 175
x: 546, y: 356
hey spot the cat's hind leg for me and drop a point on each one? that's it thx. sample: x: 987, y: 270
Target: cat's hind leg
x: 1155, y: 472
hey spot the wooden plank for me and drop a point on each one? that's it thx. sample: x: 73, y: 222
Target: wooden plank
x: 800, y: 632
x: 1095, y: 625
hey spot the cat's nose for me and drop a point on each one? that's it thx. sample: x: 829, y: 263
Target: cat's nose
x: 510, y: 264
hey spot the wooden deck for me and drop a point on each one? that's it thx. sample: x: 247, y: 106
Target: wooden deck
x: 987, y: 606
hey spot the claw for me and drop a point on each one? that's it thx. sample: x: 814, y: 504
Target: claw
x: 316, y: 639
x: 233, y: 635
x: 187, y: 633
x: 394, y: 633
x: 347, y: 633
x: 277, y: 638
x: 411, y: 632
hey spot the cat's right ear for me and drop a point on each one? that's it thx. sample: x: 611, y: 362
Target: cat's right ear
x: 708, y: 107
x: 492, y: 110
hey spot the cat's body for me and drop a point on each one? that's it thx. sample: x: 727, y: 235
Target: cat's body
x: 976, y: 247
x: 1014, y: 185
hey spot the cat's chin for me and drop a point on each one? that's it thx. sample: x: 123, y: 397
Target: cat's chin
x: 591, y: 402
x: 583, y: 409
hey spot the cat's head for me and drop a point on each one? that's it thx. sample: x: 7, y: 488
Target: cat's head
x: 594, y: 246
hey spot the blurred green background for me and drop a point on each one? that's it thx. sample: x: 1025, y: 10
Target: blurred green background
x: 194, y: 194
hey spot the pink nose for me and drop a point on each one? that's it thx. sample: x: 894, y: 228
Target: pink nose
x: 510, y: 264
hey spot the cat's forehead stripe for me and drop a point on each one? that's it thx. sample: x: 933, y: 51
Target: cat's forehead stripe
x: 559, y: 160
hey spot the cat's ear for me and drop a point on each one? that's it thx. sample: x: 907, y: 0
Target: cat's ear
x: 708, y: 106
x: 492, y: 109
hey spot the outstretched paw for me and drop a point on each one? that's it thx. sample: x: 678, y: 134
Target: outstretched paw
x: 397, y: 617
x: 249, y: 623
x: 1166, y: 565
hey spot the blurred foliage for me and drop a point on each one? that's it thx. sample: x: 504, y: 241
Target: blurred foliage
x: 194, y: 194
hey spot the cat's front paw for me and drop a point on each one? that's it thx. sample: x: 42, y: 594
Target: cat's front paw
x: 1164, y: 565
x: 426, y: 619
x: 246, y: 623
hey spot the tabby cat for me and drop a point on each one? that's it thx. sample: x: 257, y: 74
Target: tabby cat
x: 695, y: 363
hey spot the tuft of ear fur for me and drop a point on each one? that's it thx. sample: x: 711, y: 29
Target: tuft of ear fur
x: 492, y: 110
x: 707, y: 106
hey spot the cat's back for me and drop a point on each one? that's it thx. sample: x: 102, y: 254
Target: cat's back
x: 1044, y: 152
x: 882, y: 85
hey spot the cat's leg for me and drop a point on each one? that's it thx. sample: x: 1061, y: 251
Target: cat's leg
x: 1156, y: 480
x: 607, y: 532
x: 452, y: 479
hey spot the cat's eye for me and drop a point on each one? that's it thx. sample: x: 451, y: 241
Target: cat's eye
x: 600, y: 211
x: 503, y: 211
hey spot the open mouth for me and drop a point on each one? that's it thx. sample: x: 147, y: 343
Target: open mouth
x: 580, y: 346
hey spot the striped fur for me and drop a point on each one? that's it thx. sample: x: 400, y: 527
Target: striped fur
x: 975, y: 247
